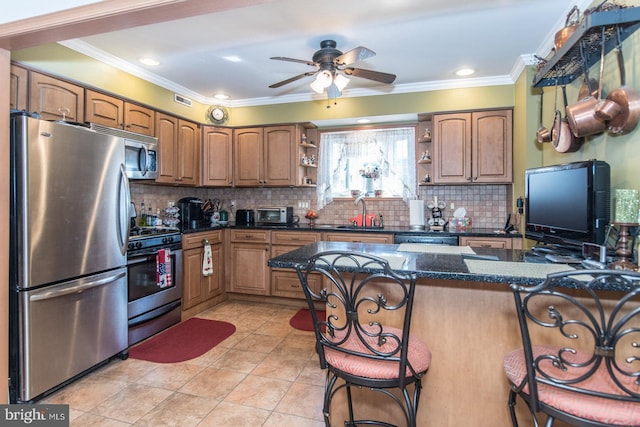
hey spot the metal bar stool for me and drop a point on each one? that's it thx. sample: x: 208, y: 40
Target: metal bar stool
x: 580, y: 360
x: 365, y: 341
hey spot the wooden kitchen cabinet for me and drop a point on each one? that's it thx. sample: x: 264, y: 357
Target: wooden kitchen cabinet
x: 116, y: 113
x: 55, y: 99
x: 217, y: 158
x: 198, y: 289
x: 18, y: 87
x: 285, y: 282
x: 491, y: 242
x: 355, y: 237
x: 250, y: 251
x: 266, y: 156
x: 179, y: 150
x: 473, y: 147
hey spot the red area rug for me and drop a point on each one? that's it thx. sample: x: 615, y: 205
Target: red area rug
x: 184, y: 341
x: 302, y: 319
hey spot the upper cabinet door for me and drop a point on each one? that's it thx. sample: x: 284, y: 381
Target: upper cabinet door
x: 139, y: 119
x: 104, y: 109
x: 492, y: 146
x: 452, y: 148
x: 55, y: 99
x: 248, y: 157
x: 279, y: 156
x: 188, y: 152
x: 217, y: 160
x: 18, y: 88
x: 167, y: 134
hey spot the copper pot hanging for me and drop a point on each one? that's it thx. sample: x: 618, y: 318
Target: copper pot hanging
x: 570, y: 26
x: 626, y: 98
x: 581, y: 116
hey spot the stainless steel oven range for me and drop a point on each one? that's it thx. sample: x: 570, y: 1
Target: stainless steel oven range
x: 152, y: 305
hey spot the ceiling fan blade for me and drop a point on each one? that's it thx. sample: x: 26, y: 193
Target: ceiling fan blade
x: 359, y: 53
x: 370, y: 74
x: 292, y: 79
x: 301, y: 61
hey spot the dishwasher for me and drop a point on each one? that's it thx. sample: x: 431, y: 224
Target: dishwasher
x: 429, y: 239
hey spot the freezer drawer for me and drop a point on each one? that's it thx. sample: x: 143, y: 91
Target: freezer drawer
x: 70, y: 327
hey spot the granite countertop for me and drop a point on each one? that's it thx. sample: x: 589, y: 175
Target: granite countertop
x: 477, y: 232
x: 488, y: 265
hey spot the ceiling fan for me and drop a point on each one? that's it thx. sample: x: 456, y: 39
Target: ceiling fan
x: 331, y: 66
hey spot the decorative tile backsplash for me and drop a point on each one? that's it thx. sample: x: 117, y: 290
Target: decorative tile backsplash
x: 487, y: 205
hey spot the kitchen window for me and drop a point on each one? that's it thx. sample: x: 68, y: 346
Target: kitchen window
x: 366, y: 161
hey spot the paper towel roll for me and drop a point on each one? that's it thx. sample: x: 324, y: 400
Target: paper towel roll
x: 416, y: 213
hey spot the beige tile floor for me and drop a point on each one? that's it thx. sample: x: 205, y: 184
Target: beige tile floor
x: 265, y: 374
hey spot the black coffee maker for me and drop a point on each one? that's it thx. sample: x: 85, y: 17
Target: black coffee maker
x: 191, y: 215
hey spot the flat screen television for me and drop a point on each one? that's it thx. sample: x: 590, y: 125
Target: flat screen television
x: 568, y: 204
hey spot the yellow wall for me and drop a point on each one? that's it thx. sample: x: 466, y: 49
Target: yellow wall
x: 620, y: 151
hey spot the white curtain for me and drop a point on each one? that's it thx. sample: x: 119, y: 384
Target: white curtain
x: 343, y: 154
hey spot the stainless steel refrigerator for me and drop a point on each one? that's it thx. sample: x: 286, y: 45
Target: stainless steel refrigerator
x: 69, y: 233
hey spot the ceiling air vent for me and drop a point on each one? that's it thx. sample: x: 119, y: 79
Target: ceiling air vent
x: 182, y: 100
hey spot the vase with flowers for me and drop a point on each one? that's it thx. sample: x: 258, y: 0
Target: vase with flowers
x: 370, y: 172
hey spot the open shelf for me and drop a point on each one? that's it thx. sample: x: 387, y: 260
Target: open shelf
x: 584, y: 46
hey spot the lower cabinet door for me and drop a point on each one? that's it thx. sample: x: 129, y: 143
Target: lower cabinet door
x: 250, y: 273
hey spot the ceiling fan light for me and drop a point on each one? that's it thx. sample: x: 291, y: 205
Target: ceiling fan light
x: 340, y: 81
x: 323, y: 80
x: 317, y: 87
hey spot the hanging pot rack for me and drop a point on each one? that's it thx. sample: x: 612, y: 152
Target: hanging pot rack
x: 582, y: 50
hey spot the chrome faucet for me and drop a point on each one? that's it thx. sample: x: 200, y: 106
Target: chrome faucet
x: 360, y: 198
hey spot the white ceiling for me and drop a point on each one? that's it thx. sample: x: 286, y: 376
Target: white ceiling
x: 423, y: 42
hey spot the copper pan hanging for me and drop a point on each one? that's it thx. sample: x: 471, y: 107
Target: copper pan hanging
x: 543, y: 134
x: 564, y: 141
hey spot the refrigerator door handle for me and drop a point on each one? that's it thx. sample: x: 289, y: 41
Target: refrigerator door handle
x: 124, y: 223
x: 105, y: 280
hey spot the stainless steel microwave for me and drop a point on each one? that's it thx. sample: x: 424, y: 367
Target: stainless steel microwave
x: 275, y: 215
x: 141, y: 152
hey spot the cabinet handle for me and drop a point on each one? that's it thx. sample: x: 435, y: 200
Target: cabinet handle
x: 295, y: 286
x: 468, y: 178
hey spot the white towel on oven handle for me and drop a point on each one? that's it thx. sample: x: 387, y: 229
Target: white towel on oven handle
x: 207, y: 260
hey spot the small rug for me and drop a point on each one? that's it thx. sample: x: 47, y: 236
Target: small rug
x: 302, y: 319
x: 184, y: 341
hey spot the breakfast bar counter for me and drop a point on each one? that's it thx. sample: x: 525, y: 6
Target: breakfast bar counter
x: 464, y: 311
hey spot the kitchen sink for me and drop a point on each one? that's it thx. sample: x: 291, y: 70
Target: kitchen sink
x: 345, y: 227
x: 358, y: 228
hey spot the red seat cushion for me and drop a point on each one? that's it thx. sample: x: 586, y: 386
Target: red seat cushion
x: 606, y: 411
x: 419, y: 356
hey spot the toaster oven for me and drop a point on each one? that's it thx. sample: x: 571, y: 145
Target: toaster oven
x: 275, y: 215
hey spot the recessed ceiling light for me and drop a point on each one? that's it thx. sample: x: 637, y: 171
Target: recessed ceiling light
x: 149, y: 61
x: 363, y: 121
x: 463, y: 72
x: 233, y: 58
x: 221, y: 96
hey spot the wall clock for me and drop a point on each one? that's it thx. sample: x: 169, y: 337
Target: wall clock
x: 218, y: 114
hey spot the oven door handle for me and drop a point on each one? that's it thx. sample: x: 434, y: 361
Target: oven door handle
x: 141, y: 257
x: 154, y: 313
